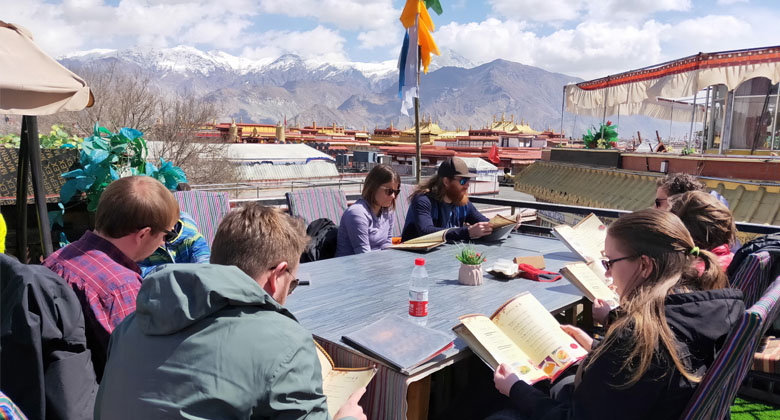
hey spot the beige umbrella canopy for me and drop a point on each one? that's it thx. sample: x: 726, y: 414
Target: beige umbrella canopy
x: 31, y: 84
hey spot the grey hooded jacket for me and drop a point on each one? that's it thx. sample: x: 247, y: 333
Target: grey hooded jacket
x: 206, y: 342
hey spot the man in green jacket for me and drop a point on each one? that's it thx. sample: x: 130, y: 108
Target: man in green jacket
x: 214, y: 341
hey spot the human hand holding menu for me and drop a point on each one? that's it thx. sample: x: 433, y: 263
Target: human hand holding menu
x: 339, y: 383
x: 522, y: 334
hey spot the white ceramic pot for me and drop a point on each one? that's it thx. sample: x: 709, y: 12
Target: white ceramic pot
x: 470, y: 275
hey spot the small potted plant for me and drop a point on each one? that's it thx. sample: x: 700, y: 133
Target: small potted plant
x: 470, y: 266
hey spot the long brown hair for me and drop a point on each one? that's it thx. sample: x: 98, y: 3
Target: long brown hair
x: 378, y: 176
x: 662, y: 237
x: 708, y: 220
x: 433, y: 186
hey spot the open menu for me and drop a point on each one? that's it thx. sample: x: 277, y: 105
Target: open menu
x: 502, y: 227
x: 586, y: 239
x: 339, y: 383
x: 423, y: 243
x: 582, y: 276
x: 522, y: 334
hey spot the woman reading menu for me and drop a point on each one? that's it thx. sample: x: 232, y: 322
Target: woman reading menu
x: 672, y: 323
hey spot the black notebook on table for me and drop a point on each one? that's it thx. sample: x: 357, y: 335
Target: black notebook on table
x: 399, y: 342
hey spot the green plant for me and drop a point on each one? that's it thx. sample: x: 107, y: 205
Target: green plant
x: 105, y: 159
x: 58, y: 138
x: 469, y: 255
x: 605, y: 138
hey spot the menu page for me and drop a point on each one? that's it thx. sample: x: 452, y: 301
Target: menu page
x: 500, y: 348
x: 589, y: 282
x: 341, y: 383
x: 527, y: 322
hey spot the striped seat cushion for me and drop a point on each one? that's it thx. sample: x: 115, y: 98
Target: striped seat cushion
x: 206, y: 207
x: 718, y: 388
x: 401, y: 207
x: 316, y: 203
x: 767, y: 359
x: 753, y: 276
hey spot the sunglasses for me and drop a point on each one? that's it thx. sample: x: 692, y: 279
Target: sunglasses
x: 171, y: 235
x: 658, y: 202
x: 464, y: 181
x: 609, y: 263
x: 294, y: 283
x: 390, y: 191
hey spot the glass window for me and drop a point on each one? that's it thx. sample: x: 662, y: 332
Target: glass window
x: 754, y: 104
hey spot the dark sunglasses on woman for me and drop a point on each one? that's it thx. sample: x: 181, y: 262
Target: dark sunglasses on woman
x: 390, y: 191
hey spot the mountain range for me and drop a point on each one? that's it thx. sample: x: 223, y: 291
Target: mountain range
x: 456, y: 93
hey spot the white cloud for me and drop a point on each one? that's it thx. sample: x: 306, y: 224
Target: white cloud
x: 538, y: 10
x: 607, y: 11
x: 82, y: 24
x: 728, y: 2
x: 320, y: 42
x: 344, y: 14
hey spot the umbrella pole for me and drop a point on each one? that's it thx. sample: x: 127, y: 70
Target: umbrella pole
x: 418, y: 142
x: 34, y: 154
x: 21, y: 196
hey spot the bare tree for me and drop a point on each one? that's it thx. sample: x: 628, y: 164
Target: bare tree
x: 174, y: 139
x: 122, y: 99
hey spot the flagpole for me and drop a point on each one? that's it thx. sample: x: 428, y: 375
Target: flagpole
x: 418, y: 163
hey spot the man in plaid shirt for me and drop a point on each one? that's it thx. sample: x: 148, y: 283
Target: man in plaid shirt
x: 133, y: 217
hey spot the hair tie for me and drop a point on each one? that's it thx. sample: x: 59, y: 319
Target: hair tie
x: 695, y: 251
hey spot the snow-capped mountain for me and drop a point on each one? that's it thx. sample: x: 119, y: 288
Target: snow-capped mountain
x: 455, y: 91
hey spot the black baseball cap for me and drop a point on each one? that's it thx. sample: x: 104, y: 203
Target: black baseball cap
x: 453, y: 167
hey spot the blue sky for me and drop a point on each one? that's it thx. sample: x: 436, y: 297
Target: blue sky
x: 585, y: 38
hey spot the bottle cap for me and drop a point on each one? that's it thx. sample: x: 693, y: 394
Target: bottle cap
x: 419, y: 261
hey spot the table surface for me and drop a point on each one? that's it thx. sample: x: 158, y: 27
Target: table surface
x: 351, y: 292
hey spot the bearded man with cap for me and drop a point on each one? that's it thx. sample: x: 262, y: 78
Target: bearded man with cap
x: 442, y: 202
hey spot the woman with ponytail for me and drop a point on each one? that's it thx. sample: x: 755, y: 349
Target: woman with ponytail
x: 673, y: 321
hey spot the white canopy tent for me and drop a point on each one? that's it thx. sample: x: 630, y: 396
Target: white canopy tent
x: 31, y: 84
x: 652, y: 91
x: 681, y: 78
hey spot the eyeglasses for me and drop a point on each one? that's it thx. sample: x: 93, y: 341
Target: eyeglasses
x: 171, y: 235
x: 294, y: 283
x: 390, y: 191
x: 658, y: 202
x: 464, y: 181
x: 609, y: 263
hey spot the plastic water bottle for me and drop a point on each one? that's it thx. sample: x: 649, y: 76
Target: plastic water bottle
x: 418, y: 293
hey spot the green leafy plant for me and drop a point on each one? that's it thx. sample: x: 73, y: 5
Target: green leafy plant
x: 605, y: 138
x: 469, y: 255
x: 107, y: 156
x: 58, y: 138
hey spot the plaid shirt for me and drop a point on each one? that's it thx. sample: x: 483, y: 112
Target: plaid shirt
x: 106, y: 282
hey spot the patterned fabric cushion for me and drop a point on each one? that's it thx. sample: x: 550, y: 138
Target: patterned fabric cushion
x: 315, y: 203
x: 401, y: 207
x: 767, y: 360
x: 753, y: 276
x: 206, y: 207
x: 719, y: 386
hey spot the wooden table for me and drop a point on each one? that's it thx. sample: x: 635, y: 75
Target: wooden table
x: 349, y: 293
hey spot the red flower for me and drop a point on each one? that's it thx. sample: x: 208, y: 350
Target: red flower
x: 609, y: 123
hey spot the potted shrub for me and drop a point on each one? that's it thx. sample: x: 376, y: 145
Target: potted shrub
x: 470, y: 266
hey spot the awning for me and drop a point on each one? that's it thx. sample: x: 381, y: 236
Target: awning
x: 639, y: 91
x: 33, y: 83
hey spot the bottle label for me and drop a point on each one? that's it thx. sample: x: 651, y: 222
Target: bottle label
x: 418, y: 303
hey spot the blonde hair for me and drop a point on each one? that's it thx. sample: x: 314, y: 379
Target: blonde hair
x: 255, y: 238
x: 708, y: 220
x: 133, y: 203
x: 662, y: 237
